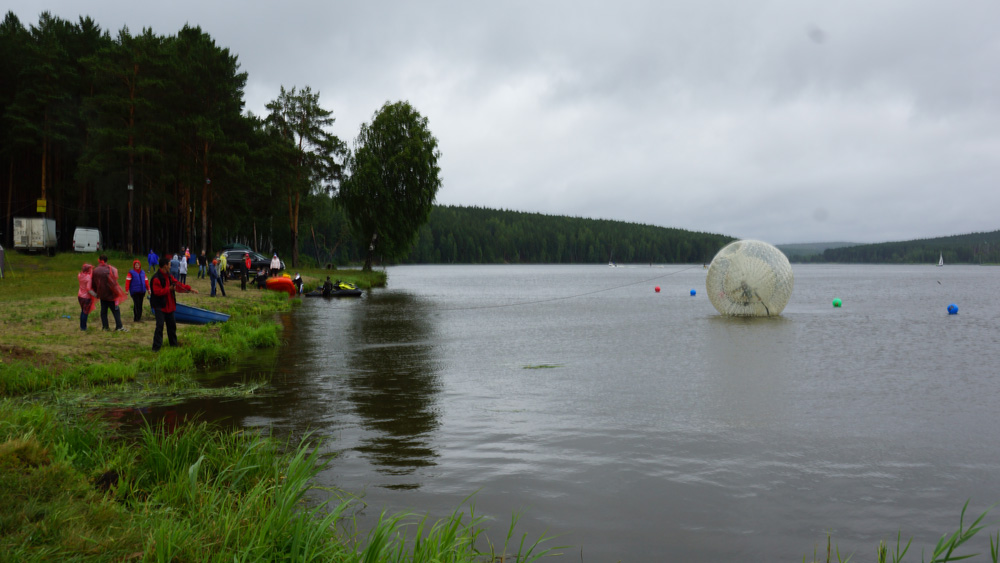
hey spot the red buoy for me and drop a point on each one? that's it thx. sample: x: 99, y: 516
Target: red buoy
x: 657, y: 289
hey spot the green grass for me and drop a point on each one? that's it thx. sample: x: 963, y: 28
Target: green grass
x: 946, y: 549
x: 76, y: 491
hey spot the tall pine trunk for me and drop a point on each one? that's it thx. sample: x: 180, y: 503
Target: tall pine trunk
x: 204, y: 199
x: 10, y: 202
x: 293, y: 221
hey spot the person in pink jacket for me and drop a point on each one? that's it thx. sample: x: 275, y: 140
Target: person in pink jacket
x: 85, y: 295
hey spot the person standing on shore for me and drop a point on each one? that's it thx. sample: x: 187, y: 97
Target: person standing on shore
x: 154, y: 261
x: 138, y: 285
x: 275, y: 265
x: 202, y: 265
x: 85, y: 295
x: 105, y: 285
x: 245, y: 271
x: 164, y: 304
x: 183, y: 269
x: 223, y: 269
x: 213, y: 277
x: 175, y: 266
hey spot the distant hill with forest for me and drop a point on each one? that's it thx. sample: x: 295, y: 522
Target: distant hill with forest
x: 973, y: 248
x: 809, y: 249
x: 476, y: 235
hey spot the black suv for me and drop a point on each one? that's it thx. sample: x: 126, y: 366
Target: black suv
x: 234, y: 260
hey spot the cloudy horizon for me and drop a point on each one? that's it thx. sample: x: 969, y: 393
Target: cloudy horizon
x: 785, y: 121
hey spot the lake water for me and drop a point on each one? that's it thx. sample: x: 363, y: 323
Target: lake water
x: 643, y: 426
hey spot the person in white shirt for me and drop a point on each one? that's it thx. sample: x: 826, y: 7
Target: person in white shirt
x: 275, y: 265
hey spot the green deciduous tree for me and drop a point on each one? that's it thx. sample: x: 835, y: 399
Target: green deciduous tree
x: 394, y: 178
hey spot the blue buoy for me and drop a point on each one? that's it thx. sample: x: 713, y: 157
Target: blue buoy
x: 693, y: 293
x: 952, y: 309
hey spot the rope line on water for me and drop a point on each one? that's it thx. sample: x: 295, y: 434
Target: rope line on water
x: 535, y: 302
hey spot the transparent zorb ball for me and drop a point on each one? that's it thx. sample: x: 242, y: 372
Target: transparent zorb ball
x: 749, y: 278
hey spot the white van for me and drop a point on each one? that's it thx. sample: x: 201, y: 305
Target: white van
x: 87, y: 240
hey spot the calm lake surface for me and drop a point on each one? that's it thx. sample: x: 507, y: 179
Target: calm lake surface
x: 643, y: 426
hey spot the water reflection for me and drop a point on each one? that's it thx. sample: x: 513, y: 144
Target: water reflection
x: 393, y: 383
x: 748, y: 369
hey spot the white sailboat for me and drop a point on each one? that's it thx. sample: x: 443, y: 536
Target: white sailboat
x: 940, y: 260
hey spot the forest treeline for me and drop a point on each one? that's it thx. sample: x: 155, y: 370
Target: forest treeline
x: 972, y: 248
x: 144, y: 136
x: 474, y: 235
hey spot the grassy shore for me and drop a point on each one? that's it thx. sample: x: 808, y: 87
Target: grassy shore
x: 73, y: 487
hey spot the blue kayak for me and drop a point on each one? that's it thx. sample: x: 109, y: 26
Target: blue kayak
x: 198, y: 316
x: 187, y: 314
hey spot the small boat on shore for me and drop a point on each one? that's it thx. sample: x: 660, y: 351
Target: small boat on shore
x: 187, y: 314
x: 197, y: 316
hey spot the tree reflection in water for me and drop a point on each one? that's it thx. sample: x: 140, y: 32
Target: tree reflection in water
x: 393, y: 383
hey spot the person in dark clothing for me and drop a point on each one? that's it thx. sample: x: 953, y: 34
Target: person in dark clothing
x: 105, y: 285
x: 164, y: 303
x: 327, y: 287
x: 244, y: 271
x: 202, y: 265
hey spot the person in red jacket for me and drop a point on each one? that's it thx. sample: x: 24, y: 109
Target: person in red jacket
x: 164, y: 303
x: 245, y: 274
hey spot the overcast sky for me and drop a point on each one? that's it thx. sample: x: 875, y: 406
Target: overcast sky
x: 784, y: 120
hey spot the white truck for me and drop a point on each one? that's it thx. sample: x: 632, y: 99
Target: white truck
x: 35, y: 234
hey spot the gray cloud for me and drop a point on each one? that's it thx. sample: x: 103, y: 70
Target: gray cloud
x: 787, y: 121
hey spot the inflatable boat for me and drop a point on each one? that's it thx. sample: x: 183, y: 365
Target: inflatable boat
x: 281, y: 284
x: 340, y: 289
